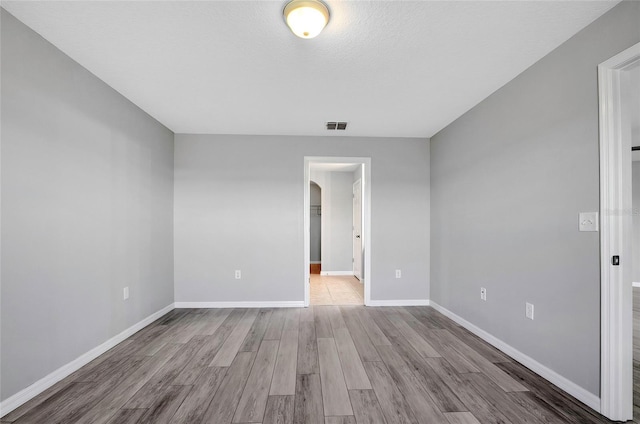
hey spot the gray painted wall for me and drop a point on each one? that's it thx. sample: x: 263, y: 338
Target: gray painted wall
x: 634, y: 93
x: 340, y: 229
x: 508, y: 180
x: 337, y: 219
x: 315, y: 223
x: 86, y: 210
x: 218, y: 179
x: 358, y: 175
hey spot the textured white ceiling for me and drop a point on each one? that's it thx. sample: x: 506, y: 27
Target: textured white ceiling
x: 389, y: 68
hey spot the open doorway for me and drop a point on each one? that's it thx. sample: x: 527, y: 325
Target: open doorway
x: 337, y: 207
x: 339, y: 280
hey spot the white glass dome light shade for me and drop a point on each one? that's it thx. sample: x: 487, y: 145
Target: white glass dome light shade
x: 306, y: 18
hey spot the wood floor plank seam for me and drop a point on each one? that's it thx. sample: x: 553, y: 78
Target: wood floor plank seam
x: 284, y: 374
x: 335, y: 396
x: 364, y: 346
x: 419, y: 399
x: 354, y: 374
x: 393, y: 404
x: 198, y: 400
x: 254, y: 397
x: 366, y: 407
x: 232, y: 344
x: 442, y: 395
x: 224, y: 404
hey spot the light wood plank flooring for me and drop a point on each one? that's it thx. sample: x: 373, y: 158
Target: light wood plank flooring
x: 336, y: 290
x: 320, y: 365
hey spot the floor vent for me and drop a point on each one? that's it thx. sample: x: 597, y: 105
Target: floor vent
x: 336, y: 126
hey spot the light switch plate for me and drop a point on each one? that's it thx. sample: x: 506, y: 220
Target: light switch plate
x: 588, y: 221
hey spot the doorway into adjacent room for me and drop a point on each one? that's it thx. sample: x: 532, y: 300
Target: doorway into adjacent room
x: 337, y: 207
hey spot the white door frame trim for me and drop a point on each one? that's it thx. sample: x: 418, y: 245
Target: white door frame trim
x: 616, y: 333
x: 366, y: 217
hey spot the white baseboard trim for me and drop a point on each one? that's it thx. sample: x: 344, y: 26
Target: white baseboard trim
x: 217, y: 305
x: 315, y: 262
x: 401, y: 302
x: 565, y: 384
x: 635, y: 284
x: 44, y: 383
x: 336, y: 273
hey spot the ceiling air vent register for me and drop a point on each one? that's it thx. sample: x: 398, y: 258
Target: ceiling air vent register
x: 336, y: 126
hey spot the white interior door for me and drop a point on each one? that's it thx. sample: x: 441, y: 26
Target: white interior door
x: 357, y: 229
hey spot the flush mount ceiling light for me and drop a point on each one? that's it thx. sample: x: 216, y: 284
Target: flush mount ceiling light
x: 306, y: 18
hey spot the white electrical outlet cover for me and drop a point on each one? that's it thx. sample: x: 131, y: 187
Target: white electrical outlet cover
x: 529, y: 310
